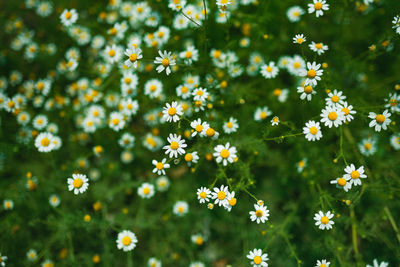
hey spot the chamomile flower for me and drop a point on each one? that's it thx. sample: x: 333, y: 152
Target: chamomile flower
x: 8, y: 204
x: 335, y: 98
x: 146, y: 190
x: 199, y: 127
x: 324, y: 220
x: 318, y: 6
x: 332, y: 116
x: 347, y: 110
x: 367, y: 146
x: 191, y: 157
x: 126, y: 240
x: 165, y: 61
x: 44, y: 142
x: 269, y: 70
x: 180, y: 208
x: 393, y: 102
x: 210, y: 132
x: 3, y: 260
x: 23, y: 118
x: 275, y: 121
x: 176, y: 4
x: 262, y: 113
x: 116, y: 121
x: 112, y: 53
x: 183, y: 91
x: 198, y: 239
x: 312, y: 73
x: 355, y: 174
x: 127, y: 140
x: 31, y: 255
x: 153, y: 88
x: 299, y: 39
x: 312, y: 131
x: 377, y: 264
x: 153, y: 262
x: 260, y: 215
x: 294, y: 13
x: 160, y: 166
x: 133, y: 54
x: 220, y: 195
x: 322, y: 263
x: 231, y: 201
x: 342, y: 182
x: 68, y: 17
x: 306, y: 92
x: 225, y: 153
x: 396, y: 22
x: 258, y: 259
x: 200, y: 94
x: 395, y: 141
x: 176, y: 145
x: 296, y: 65
x: 172, y: 112
x: 189, y: 55
x: 231, y: 125
x: 40, y: 122
x: 162, y: 183
x: 379, y: 121
x: 54, y: 200
x: 320, y: 48
x: 203, y: 194
x: 78, y: 183
x: 301, y: 165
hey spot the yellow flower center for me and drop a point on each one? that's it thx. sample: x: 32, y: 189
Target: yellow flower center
x: 318, y: 46
x: 277, y: 92
x: 203, y: 194
x: 311, y: 73
x: 133, y: 57
x: 380, y: 118
x: 188, y: 157
x: 313, y: 130
x: 229, y: 124
x: 188, y: 54
x: 300, y: 41
x: 165, y: 62
x: 11, y: 104
x: 308, y: 89
x: 184, y: 89
x: 322, y: 265
x: 346, y: 111
x: 126, y: 241
x: 115, y: 121
x: 160, y: 165
x: 224, y: 153
x: 221, y: 195
x: 259, y: 213
x: 174, y: 145
x: 332, y: 116
x: 335, y: 98
x: 232, y: 201
x: 127, y: 80
x: 257, y: 260
x: 296, y: 65
x: 367, y: 146
x: 324, y: 220
x: 171, y: 111
x: 77, y: 183
x: 263, y: 115
x: 355, y: 174
x: 210, y: 132
x: 45, y: 141
x: 111, y: 53
x: 269, y: 69
x: 341, y: 181
x: 318, y: 6
x: 146, y: 190
x: 68, y: 15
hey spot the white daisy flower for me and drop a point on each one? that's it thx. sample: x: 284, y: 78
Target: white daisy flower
x: 54, y: 200
x: 396, y: 22
x: 44, y: 142
x: 379, y: 121
x: 294, y: 13
x: 153, y: 262
x: 31, y: 255
x: 133, y: 54
x: 200, y: 94
x: 323, y: 221
x: 231, y: 201
x: 183, y: 91
x: 335, y: 98
x: 153, y: 88
x: 258, y: 259
x: 8, y: 204
x: 231, y: 125
x: 367, y: 146
x: 225, y: 154
x: 189, y: 55
x: 377, y: 264
x: 203, y: 194
x: 260, y: 214
x: 301, y: 165
x: 393, y: 102
x: 332, y: 116
x: 220, y: 195
x: 165, y: 60
x: 23, y: 118
x: 306, y: 92
x: 299, y: 39
x: 322, y: 263
x: 320, y: 48
x: 199, y: 127
x: 78, y: 183
x: 68, y: 17
x: 312, y: 73
x: 160, y: 166
x: 112, y: 53
x: 191, y: 157
x: 40, y: 122
x: 210, y: 132
x: 395, y: 141
x: 162, y: 183
x: 342, y: 182
x: 126, y: 240
x: 318, y: 6
x: 296, y: 65
x: 146, y: 190
x: 180, y: 208
x: 176, y: 146
x: 172, y: 112
x: 275, y: 121
x: 116, y: 121
x: 312, y: 131
x: 262, y: 113
x: 355, y: 174
x: 347, y: 110
x: 269, y: 70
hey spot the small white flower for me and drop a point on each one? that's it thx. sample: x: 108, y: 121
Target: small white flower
x: 203, y: 194
x: 78, y: 183
x: 258, y: 259
x: 172, y: 112
x: 318, y: 6
x: 323, y: 221
x: 306, y: 92
x: 260, y: 215
x: 347, y: 110
x: 342, y: 182
x: 220, y: 195
x: 269, y: 70
x: 322, y: 263
x: 160, y: 166
x: 312, y: 131
x: 126, y: 240
x: 180, y: 208
x: 133, y: 54
x: 165, y: 60
x: 44, y: 142
x: 199, y: 127
x: 354, y: 174
x: 231, y: 125
x: 200, y: 94
x: 335, y: 98
x: 225, y: 153
x: 377, y: 264
x: 299, y: 39
x: 320, y: 48
x: 312, y: 73
x: 332, y: 116
x: 176, y: 146
x: 146, y: 190
x: 379, y: 121
x: 116, y: 121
